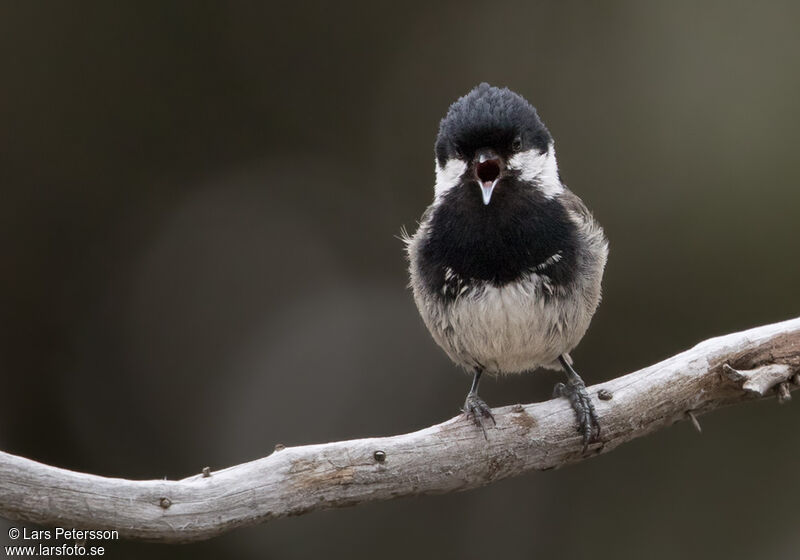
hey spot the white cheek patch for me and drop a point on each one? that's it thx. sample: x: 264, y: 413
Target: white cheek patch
x: 538, y: 168
x: 448, y: 176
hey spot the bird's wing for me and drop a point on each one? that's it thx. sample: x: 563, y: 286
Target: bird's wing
x: 582, y: 217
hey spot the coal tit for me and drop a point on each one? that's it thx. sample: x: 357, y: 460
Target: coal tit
x: 507, y: 262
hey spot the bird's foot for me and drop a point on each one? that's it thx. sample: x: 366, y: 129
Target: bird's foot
x: 588, y: 424
x: 479, y: 411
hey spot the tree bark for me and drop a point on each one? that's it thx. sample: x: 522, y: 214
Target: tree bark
x: 448, y: 457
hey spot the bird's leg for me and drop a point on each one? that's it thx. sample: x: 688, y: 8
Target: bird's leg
x: 575, y: 391
x: 474, y: 406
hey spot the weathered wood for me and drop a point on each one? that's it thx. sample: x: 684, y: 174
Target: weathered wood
x: 447, y: 457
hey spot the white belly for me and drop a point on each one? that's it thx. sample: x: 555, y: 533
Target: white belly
x: 510, y: 329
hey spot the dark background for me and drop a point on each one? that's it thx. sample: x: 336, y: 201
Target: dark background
x: 197, y: 219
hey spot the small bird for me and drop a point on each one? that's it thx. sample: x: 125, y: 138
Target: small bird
x: 507, y: 262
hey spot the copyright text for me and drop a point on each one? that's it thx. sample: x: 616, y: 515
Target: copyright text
x: 43, y: 542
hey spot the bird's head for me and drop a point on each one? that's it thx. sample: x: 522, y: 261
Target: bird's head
x: 492, y: 135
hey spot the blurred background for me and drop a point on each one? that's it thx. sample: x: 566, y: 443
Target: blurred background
x: 198, y: 211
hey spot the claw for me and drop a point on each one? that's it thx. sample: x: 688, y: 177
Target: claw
x: 575, y: 391
x: 478, y: 410
x: 588, y: 425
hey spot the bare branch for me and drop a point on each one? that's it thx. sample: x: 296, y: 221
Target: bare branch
x: 447, y: 457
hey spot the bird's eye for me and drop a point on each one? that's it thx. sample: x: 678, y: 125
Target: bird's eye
x: 516, y: 145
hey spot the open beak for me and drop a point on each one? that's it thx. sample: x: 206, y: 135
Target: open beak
x: 488, y: 171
